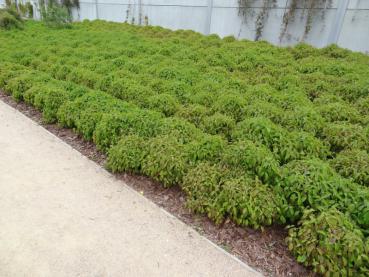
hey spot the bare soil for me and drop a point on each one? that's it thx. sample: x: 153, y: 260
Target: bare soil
x: 266, y: 250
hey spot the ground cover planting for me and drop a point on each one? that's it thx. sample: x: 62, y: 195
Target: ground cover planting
x: 252, y: 132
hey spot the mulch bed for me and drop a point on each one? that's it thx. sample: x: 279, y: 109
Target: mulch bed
x: 266, y: 250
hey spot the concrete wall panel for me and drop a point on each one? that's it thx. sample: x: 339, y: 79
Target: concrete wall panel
x: 222, y: 17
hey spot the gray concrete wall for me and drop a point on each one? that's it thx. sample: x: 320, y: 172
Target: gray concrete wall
x: 226, y: 21
x: 349, y: 29
x: 222, y: 17
x: 355, y: 30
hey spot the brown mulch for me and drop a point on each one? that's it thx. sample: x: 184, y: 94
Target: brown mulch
x: 266, y: 251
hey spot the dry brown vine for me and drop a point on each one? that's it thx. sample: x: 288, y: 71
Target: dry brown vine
x: 245, y: 10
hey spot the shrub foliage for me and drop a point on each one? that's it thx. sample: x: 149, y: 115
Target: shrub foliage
x: 243, y: 138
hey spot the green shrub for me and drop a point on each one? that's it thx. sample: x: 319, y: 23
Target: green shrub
x: 307, y: 183
x: 350, y: 89
x: 61, y: 72
x: 30, y: 94
x: 165, y: 103
x: 120, y: 87
x: 52, y: 99
x: 328, y: 98
x: 87, y: 120
x: 334, y: 112
x: 330, y: 243
x: 358, y: 206
x: 290, y: 99
x: 166, y: 161
x: 18, y: 85
x: 105, y: 82
x: 168, y: 73
x: 10, y: 19
x: 131, y: 122
x: 232, y: 105
x: 315, y: 84
x: 193, y: 113
x: 342, y: 135
x: 202, y: 185
x: 261, y: 108
x: 253, y: 158
x: 353, y: 164
x: 262, y: 130
x: 363, y: 105
x: 307, y: 145
x: 9, y: 71
x: 248, y: 202
x: 140, y: 95
x: 314, y: 184
x: 180, y: 90
x: 74, y: 89
x: 303, y: 118
x: 179, y: 128
x: 84, y: 77
x: 205, y: 98
x: 24, y: 81
x: 127, y: 155
x: 215, y: 191
x: 86, y: 111
x: 206, y: 147
x: 218, y: 124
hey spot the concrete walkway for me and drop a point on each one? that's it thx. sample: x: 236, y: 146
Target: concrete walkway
x: 63, y: 215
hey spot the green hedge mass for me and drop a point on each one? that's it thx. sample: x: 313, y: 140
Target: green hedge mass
x: 252, y: 132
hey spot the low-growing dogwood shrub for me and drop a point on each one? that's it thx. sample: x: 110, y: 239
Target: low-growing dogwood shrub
x: 334, y: 112
x: 181, y: 129
x: 85, y: 112
x: 206, y: 147
x: 353, y: 164
x: 202, y: 185
x: 314, y: 184
x: 51, y: 100
x: 218, y: 124
x: 165, y: 103
x: 128, y: 154
x: 133, y: 121
x: 220, y: 193
x: 248, y: 202
x: 193, y: 113
x: 166, y: 161
x: 262, y: 130
x: 254, y: 158
x: 232, y: 105
x: 329, y: 242
x: 343, y: 135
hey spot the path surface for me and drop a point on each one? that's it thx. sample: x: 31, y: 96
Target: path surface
x: 63, y: 215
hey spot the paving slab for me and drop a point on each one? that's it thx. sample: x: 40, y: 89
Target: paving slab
x: 63, y: 215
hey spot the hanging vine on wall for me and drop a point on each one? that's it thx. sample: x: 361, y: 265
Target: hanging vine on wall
x: 312, y: 7
x: 131, y: 12
x: 57, y: 13
x: 67, y: 4
x: 24, y: 9
x: 70, y: 4
x: 246, y: 9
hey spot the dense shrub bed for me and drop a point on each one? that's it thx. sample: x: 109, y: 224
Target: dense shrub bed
x: 251, y: 132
